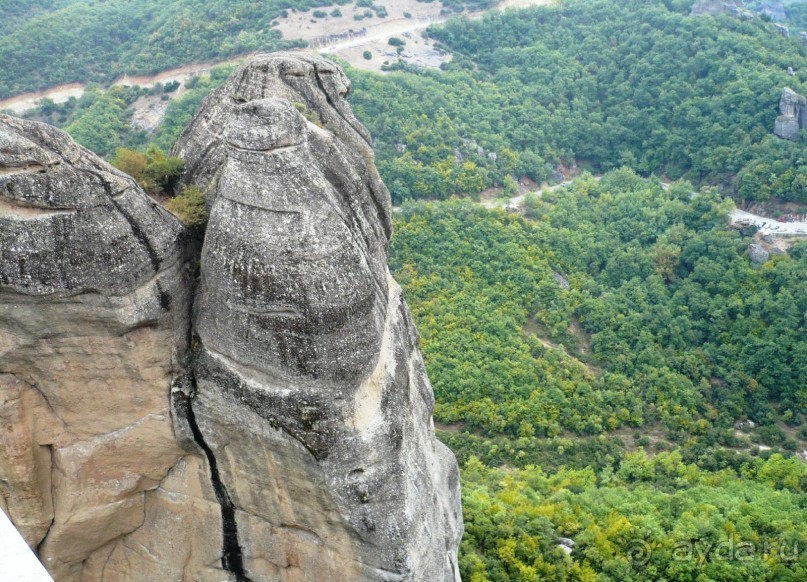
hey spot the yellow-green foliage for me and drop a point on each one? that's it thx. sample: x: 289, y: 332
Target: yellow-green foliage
x: 189, y: 207
x: 652, y: 519
x: 155, y: 172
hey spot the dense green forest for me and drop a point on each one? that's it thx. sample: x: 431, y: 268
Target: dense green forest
x: 647, y: 518
x: 665, y: 321
x: 605, y: 83
x: 616, y: 312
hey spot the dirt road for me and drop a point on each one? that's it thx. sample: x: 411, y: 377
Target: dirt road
x: 769, y: 225
x: 299, y: 25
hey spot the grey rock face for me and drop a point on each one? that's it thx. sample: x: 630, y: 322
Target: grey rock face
x: 758, y: 254
x: 306, y: 351
x: 294, y: 269
x: 793, y: 118
x: 94, y: 314
x: 292, y: 438
x: 774, y: 10
x: 69, y: 222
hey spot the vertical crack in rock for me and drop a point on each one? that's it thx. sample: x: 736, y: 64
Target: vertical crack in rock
x: 52, y: 496
x: 232, y: 558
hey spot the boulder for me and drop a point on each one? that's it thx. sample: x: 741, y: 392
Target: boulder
x: 793, y: 118
x: 758, y: 254
x: 717, y: 7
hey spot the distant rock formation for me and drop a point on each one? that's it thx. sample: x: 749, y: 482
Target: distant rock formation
x: 782, y: 30
x: 758, y: 254
x: 282, y: 433
x: 774, y: 10
x: 793, y: 118
x: 717, y: 7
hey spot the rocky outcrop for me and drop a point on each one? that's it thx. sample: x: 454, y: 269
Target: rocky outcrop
x: 306, y: 382
x: 782, y: 30
x: 717, y: 7
x: 758, y: 254
x: 774, y: 10
x: 93, y: 289
x: 282, y: 433
x: 793, y: 118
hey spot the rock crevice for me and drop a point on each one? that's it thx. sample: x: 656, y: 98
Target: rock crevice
x: 231, y: 555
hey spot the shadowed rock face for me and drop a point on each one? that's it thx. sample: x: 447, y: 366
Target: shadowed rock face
x: 294, y: 269
x: 293, y: 440
x: 717, y: 7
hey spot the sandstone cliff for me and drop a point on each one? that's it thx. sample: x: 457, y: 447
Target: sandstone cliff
x: 280, y: 431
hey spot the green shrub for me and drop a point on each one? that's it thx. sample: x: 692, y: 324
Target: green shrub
x: 189, y: 207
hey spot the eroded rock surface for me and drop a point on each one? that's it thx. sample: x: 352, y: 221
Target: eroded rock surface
x: 282, y: 432
x: 93, y: 319
x: 793, y: 118
x: 307, y: 385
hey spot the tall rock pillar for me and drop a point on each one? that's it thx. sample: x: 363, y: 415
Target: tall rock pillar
x: 307, y: 386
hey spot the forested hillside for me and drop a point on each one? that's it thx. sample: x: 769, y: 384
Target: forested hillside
x: 617, y: 313
x: 98, y: 40
x: 44, y: 43
x: 605, y: 83
x: 598, y: 84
